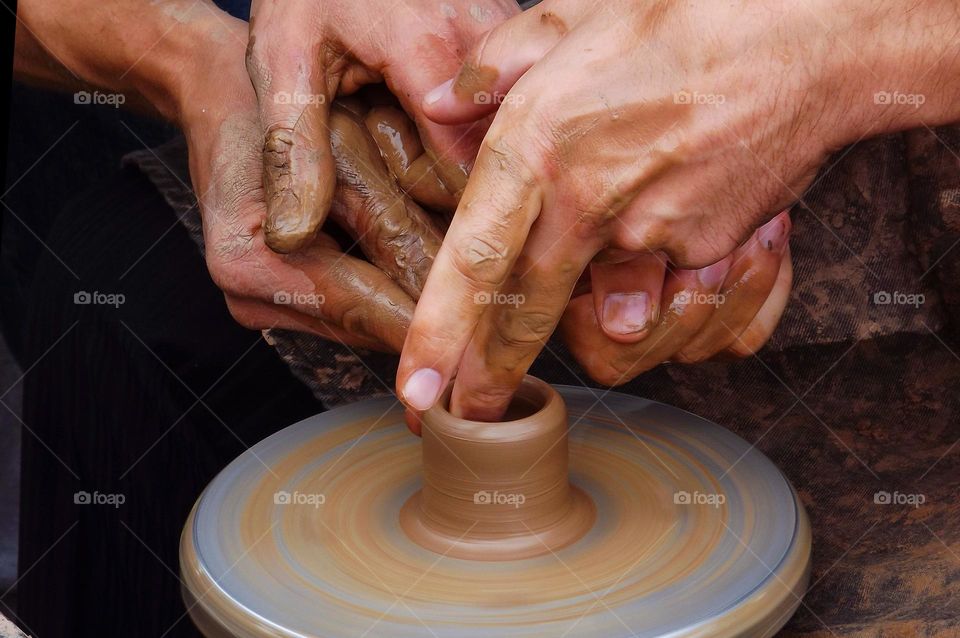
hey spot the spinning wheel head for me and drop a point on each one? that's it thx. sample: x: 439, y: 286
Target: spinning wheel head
x: 667, y: 525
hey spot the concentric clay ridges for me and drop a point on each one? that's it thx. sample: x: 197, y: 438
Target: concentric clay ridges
x: 649, y: 566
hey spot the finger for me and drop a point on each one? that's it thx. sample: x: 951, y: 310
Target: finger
x: 756, y: 265
x: 626, y: 295
x: 402, y: 151
x: 413, y: 421
x: 495, y: 63
x: 488, y: 232
x: 326, y: 284
x: 685, y: 309
x: 394, y: 233
x: 259, y: 315
x: 285, y: 62
x: 762, y: 326
x: 518, y: 321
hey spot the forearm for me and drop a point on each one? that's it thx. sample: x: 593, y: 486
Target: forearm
x: 153, y: 53
x: 903, y: 66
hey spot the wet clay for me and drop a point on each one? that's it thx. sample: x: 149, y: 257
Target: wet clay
x: 498, y: 491
x: 696, y: 532
x: 394, y: 233
x: 403, y: 152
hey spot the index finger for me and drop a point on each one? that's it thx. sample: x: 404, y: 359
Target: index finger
x: 498, y: 208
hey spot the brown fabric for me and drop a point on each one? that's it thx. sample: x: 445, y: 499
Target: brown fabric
x: 852, y: 244
x: 934, y: 163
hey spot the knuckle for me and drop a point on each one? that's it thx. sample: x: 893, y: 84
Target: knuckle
x: 490, y: 394
x: 691, y: 355
x: 483, y: 261
x: 613, y: 373
x: 524, y: 330
x: 355, y: 319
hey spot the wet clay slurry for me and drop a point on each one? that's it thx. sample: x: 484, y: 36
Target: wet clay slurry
x: 498, y: 491
x: 696, y: 533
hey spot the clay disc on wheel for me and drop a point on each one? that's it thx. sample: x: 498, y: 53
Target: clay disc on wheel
x: 697, y: 534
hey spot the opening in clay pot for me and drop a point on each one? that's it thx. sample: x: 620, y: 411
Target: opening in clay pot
x: 498, y: 491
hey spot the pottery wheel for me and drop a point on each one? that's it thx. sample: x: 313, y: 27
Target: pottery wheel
x: 696, y: 534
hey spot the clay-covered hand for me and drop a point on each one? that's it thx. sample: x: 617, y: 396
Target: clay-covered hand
x: 319, y: 289
x: 303, y: 53
x: 185, y: 62
x: 641, y: 313
x: 666, y: 126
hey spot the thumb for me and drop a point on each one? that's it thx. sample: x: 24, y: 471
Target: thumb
x: 495, y: 64
x: 294, y: 95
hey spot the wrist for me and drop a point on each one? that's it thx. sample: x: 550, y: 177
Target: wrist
x: 152, y: 53
x: 905, y: 73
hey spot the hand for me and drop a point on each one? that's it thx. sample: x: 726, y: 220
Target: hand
x: 319, y: 289
x: 688, y: 316
x: 187, y: 66
x: 642, y: 126
x: 304, y: 53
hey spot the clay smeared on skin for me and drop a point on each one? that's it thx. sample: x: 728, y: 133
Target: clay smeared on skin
x: 473, y: 79
x: 393, y: 232
x: 296, y: 208
x: 403, y: 152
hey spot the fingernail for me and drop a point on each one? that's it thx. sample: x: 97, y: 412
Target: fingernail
x: 438, y: 92
x: 422, y: 389
x: 626, y: 313
x: 712, y: 276
x: 773, y: 234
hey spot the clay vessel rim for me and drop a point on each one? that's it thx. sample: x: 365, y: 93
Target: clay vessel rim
x: 551, y: 415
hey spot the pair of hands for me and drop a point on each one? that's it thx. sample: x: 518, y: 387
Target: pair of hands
x: 673, y: 127
x: 615, y: 327
x: 628, y: 132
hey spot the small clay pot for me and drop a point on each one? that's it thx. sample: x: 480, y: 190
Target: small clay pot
x: 498, y: 491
